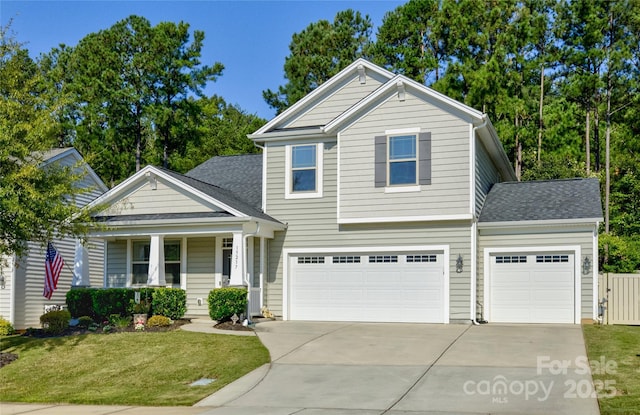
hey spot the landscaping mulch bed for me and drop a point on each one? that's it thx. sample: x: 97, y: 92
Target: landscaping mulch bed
x: 6, y: 358
x: 75, y: 331
x: 228, y: 325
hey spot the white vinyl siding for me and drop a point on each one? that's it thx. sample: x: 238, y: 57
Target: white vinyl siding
x: 200, y: 274
x: 6, y: 268
x: 336, y: 103
x: 529, y: 238
x: 448, y: 192
x: 29, y: 283
x: 166, y: 198
x: 486, y: 175
x: 313, y: 224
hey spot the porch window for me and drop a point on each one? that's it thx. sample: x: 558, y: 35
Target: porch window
x: 140, y: 262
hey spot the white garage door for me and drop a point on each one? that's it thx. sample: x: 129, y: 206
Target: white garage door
x: 532, y: 288
x: 376, y: 287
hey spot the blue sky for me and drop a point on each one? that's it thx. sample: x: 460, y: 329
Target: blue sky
x: 250, y: 38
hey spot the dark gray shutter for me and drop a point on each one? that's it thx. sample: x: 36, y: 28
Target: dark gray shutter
x: 424, y: 158
x: 381, y: 161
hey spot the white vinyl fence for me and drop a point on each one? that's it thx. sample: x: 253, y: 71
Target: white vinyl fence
x: 622, y: 294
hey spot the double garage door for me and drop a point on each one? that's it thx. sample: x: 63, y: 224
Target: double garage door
x: 532, y: 288
x: 370, y: 287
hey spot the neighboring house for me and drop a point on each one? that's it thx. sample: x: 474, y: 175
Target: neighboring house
x: 21, y: 299
x: 375, y: 199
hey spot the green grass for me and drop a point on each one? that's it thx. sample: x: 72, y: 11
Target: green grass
x: 619, y: 344
x: 125, y: 368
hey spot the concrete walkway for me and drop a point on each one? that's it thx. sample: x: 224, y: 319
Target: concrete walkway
x: 362, y: 369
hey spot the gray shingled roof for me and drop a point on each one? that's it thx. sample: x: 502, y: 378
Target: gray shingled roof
x: 241, y: 175
x: 225, y: 196
x: 543, y: 200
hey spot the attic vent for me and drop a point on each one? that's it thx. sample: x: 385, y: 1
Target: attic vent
x: 400, y: 86
x: 361, y: 75
x: 153, y: 182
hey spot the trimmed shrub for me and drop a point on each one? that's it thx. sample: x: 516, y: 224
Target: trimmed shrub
x: 55, y: 322
x: 85, y: 321
x: 6, y: 329
x: 159, y: 321
x: 225, y: 302
x: 111, y: 301
x: 80, y: 302
x: 170, y: 302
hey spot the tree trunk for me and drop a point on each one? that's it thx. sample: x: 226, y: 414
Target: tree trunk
x: 596, y: 138
x: 540, y: 120
x: 138, y: 138
x: 518, y: 163
x: 588, y: 142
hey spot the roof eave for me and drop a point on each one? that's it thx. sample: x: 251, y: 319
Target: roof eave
x: 281, y: 135
x: 496, y: 150
x: 540, y: 223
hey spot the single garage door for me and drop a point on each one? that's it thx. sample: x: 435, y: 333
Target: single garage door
x: 376, y: 287
x: 532, y: 288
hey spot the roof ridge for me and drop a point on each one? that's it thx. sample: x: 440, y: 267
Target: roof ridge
x: 566, y: 179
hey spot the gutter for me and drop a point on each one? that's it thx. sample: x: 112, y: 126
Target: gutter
x: 474, y: 230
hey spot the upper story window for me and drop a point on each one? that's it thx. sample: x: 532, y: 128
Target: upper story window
x: 403, y: 163
x: 303, y: 171
x: 303, y: 168
x: 403, y: 160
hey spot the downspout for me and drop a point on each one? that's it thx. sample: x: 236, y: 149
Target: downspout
x: 246, y: 267
x: 474, y: 224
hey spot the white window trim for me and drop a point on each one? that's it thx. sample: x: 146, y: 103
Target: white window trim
x: 288, y: 191
x: 415, y: 159
x: 182, y: 262
x: 402, y: 189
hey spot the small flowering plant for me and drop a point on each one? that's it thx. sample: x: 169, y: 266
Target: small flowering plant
x: 139, y: 324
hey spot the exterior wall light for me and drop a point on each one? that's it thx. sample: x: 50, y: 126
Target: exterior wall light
x: 459, y: 264
x: 3, y: 282
x: 586, y: 265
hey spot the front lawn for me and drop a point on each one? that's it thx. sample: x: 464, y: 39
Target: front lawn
x: 125, y: 368
x: 614, y: 353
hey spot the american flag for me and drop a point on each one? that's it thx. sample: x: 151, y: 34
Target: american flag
x: 52, y: 266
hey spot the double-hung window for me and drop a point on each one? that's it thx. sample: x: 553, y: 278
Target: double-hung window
x: 403, y: 161
x: 140, y: 262
x: 304, y: 171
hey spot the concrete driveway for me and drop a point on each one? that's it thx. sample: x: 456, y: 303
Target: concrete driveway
x: 362, y: 369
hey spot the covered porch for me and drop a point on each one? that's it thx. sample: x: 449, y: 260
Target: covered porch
x: 196, y: 258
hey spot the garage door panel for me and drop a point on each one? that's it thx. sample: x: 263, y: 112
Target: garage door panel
x: 532, y: 288
x: 368, y: 291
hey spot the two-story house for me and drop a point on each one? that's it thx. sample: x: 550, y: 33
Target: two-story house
x: 375, y: 199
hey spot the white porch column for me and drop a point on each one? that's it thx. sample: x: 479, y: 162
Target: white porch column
x: 81, y: 266
x: 156, y: 262
x: 237, y: 261
x: 263, y: 253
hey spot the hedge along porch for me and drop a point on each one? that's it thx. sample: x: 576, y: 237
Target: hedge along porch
x: 163, y: 229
